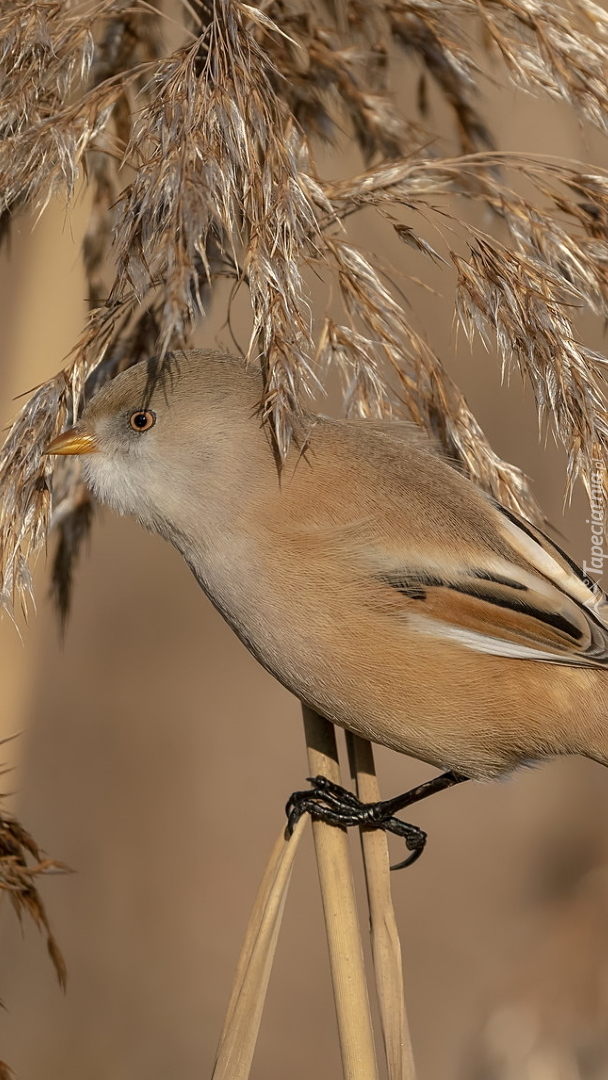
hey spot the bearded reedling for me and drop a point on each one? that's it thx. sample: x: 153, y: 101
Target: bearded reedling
x: 369, y: 576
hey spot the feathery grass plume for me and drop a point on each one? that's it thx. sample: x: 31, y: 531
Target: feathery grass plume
x: 46, y: 50
x: 25, y: 506
x: 525, y: 294
x: 431, y: 398
x: 326, y: 82
x: 216, y: 162
x: 559, y: 49
x: 22, y: 863
x: 354, y: 356
x: 433, y: 33
x: 201, y: 166
x: 506, y: 291
x: 46, y: 54
x: 129, y: 39
x: 18, y: 879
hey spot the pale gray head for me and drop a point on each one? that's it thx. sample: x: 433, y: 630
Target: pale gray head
x: 158, y: 447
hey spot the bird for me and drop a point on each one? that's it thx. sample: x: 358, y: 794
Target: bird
x: 368, y: 574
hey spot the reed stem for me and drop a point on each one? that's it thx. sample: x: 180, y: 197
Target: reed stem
x: 386, y: 946
x: 243, y: 1016
x: 339, y: 906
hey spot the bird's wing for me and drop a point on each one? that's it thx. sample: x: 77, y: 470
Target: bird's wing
x: 538, y: 607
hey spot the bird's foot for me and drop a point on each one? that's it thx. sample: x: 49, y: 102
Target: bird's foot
x: 336, y: 805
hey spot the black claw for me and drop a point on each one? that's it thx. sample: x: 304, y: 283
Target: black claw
x: 337, y: 806
x: 411, y: 859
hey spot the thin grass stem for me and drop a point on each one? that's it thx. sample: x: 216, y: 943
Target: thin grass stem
x: 244, y: 1013
x: 341, y: 921
x: 386, y: 946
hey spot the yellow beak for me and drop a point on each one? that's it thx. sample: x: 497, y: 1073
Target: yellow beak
x: 72, y: 441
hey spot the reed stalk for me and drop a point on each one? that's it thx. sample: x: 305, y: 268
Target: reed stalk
x: 341, y: 921
x: 386, y: 947
x: 244, y: 1013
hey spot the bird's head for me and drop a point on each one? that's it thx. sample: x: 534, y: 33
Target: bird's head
x: 153, y: 444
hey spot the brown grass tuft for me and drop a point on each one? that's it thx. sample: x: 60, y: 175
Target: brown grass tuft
x: 21, y: 864
x: 201, y: 164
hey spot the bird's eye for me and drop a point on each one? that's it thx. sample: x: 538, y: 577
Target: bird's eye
x: 142, y: 420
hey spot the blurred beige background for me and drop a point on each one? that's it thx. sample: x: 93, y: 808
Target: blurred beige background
x: 155, y: 757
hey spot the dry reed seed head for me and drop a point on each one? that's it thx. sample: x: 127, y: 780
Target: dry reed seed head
x: 217, y: 164
x: 504, y: 291
x: 46, y: 55
x: 71, y: 520
x: 563, y: 50
x: 60, y: 88
x: 225, y: 184
x: 25, y: 484
x: 21, y: 865
x: 46, y: 49
x: 26, y: 476
x: 97, y: 242
x: 45, y: 158
x: 366, y: 394
x: 560, y: 49
x: 434, y: 36
x: 525, y: 296
x: 127, y: 41
x: 323, y: 82
x: 429, y: 395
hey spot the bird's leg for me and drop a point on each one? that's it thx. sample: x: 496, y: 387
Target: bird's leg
x: 337, y: 806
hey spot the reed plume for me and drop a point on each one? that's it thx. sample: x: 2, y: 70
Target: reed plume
x: 22, y: 864
x: 200, y: 160
x: 201, y: 164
